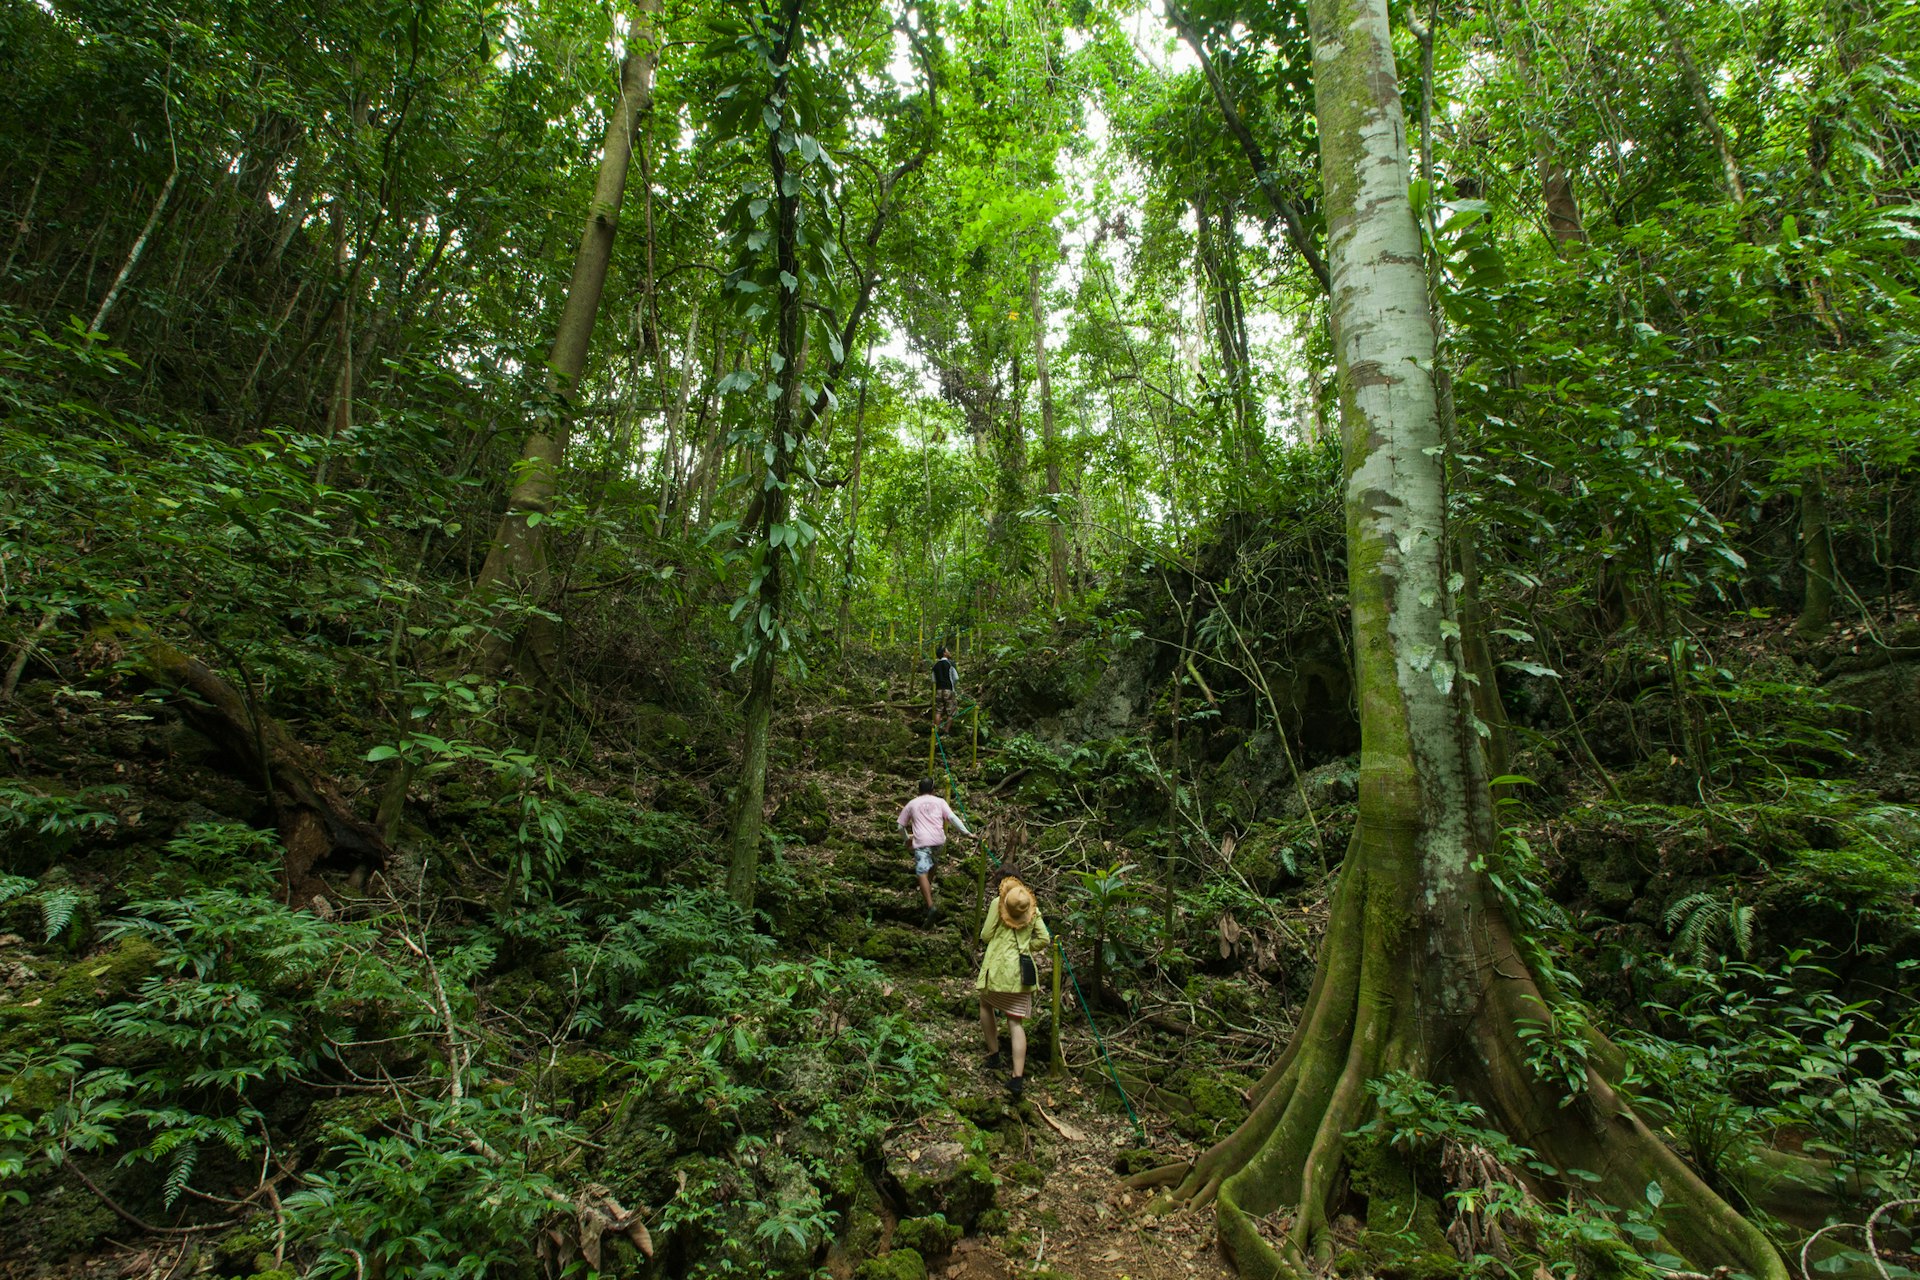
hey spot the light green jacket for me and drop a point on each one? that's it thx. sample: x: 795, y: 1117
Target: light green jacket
x: 1000, y: 967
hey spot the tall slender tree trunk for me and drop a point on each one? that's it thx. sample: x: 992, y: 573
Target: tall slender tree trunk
x: 517, y: 556
x: 139, y: 242
x: 1284, y: 208
x: 340, y: 409
x: 1056, y: 529
x: 792, y: 426
x: 1564, y: 222
x: 848, y: 561
x: 1420, y: 971
x: 1816, y: 558
x: 750, y: 795
x: 1703, y: 101
x: 672, y: 473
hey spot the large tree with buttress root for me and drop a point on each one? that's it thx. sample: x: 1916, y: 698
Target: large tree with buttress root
x: 1421, y: 970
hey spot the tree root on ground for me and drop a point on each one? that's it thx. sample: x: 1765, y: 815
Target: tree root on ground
x: 1377, y: 1008
x: 318, y: 829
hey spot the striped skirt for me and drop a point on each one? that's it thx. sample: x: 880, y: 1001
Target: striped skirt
x: 1015, y: 1004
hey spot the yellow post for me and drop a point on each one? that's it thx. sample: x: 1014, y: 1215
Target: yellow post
x: 1057, y: 1059
x: 933, y: 731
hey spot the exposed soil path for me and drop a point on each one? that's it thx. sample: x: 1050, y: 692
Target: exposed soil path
x: 1059, y: 1152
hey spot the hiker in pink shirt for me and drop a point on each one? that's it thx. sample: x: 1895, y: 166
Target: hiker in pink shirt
x: 925, y: 819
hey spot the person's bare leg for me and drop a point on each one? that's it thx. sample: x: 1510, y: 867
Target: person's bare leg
x: 990, y: 1029
x: 926, y: 889
x: 1019, y: 1033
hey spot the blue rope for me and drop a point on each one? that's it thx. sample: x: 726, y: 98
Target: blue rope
x: 1112, y: 1073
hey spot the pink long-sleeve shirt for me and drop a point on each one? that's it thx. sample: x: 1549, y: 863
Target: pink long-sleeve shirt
x: 926, y: 818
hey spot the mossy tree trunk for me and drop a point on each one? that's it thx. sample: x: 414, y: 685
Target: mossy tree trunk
x: 1420, y: 971
x: 517, y: 557
x: 1816, y: 558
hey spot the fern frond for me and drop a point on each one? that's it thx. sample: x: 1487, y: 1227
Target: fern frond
x: 57, y: 906
x: 185, y: 1157
x: 1681, y: 908
x: 12, y: 887
x: 1741, y: 918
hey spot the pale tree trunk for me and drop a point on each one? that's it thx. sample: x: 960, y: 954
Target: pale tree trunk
x: 1703, y: 100
x: 517, y: 557
x: 671, y: 446
x: 146, y: 232
x: 1056, y: 529
x: 1420, y: 971
x: 847, y: 561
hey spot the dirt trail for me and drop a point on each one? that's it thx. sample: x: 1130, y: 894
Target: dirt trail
x: 1068, y: 1213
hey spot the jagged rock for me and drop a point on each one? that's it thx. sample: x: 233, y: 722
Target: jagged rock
x: 1325, y: 787
x: 940, y: 1177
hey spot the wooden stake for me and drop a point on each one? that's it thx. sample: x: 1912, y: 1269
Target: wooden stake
x: 1057, y: 1058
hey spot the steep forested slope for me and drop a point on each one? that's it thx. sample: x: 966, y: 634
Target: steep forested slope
x: 1423, y: 504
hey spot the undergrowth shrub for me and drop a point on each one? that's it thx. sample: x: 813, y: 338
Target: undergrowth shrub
x: 1744, y: 1055
x: 451, y: 1188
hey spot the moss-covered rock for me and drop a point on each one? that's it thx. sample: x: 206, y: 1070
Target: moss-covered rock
x: 862, y: 1212
x: 679, y: 796
x: 662, y: 735
x: 91, y: 982
x: 805, y: 813
x: 1218, y: 1098
x: 899, y: 1264
x: 931, y: 1237
x: 1139, y: 1160
x: 942, y: 1178
x: 1270, y: 854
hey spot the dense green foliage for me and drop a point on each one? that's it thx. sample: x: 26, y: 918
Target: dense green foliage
x: 278, y: 290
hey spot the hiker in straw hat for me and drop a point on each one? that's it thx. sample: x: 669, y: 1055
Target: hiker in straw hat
x: 1014, y: 933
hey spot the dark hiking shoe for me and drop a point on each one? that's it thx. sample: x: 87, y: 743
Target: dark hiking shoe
x: 931, y: 918
x: 997, y: 1061
x: 1016, y: 1087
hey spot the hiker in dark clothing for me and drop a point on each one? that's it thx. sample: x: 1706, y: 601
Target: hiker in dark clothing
x: 946, y: 693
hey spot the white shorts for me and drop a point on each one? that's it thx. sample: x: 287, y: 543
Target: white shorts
x: 923, y: 860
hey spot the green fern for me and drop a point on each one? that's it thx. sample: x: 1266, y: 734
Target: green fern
x: 1706, y: 922
x: 180, y: 1172
x: 57, y: 906
x: 12, y: 887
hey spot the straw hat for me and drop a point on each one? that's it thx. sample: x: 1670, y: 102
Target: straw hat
x: 1016, y: 904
